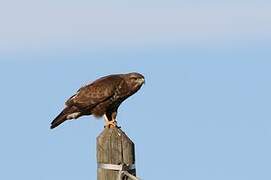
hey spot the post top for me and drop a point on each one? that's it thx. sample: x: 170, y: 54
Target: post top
x: 113, y: 132
x: 114, y: 147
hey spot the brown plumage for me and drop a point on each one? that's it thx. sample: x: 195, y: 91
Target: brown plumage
x: 101, y: 97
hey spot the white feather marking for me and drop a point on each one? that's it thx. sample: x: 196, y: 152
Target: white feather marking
x: 73, y: 115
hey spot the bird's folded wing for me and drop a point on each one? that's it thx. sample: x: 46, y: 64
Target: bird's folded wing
x: 94, y: 93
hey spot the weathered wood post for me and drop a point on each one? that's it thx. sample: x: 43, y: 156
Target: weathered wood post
x: 115, y: 155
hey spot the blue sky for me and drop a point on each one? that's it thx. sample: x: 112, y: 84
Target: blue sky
x: 204, y: 111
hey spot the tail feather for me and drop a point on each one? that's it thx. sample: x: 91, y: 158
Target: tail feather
x: 62, y: 117
x: 58, y: 120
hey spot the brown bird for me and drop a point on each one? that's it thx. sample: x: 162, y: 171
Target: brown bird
x: 101, y: 98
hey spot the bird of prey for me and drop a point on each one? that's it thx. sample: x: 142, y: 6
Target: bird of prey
x: 101, y: 98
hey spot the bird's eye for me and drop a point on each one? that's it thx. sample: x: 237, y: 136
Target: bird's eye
x: 134, y: 78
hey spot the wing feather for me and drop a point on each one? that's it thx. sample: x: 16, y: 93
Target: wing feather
x: 95, y: 93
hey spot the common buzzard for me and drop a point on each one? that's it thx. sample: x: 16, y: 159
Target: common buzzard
x: 101, y: 98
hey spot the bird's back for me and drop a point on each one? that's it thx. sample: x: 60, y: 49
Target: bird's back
x: 95, y: 92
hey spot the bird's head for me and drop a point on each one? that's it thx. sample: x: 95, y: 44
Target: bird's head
x: 134, y: 80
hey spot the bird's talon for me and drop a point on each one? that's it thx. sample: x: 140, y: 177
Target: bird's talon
x: 111, y: 124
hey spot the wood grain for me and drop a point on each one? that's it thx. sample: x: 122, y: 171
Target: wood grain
x: 114, y: 147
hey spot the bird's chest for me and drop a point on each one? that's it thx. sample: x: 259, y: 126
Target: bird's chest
x: 119, y: 96
x: 121, y: 92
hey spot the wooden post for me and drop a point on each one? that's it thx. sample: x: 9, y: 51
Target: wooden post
x: 114, y: 147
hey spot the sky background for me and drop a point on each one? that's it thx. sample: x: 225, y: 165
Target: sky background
x: 204, y: 112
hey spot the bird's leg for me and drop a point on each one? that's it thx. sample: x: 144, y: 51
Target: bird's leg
x: 106, y: 121
x: 110, y: 123
x: 113, y: 119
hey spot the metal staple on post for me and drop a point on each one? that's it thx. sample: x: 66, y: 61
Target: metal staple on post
x: 122, y: 169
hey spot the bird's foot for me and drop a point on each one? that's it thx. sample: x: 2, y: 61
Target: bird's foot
x: 111, y: 124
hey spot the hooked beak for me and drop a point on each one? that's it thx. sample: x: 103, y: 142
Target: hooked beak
x: 142, y: 81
